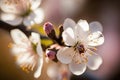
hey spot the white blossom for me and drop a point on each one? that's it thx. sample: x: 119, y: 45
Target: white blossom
x: 15, y: 12
x: 80, y: 40
x: 28, y: 52
x: 58, y: 72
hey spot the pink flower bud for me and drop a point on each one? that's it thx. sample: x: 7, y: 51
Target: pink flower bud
x: 51, y: 54
x: 48, y: 27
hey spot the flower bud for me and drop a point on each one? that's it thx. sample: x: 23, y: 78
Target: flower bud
x: 48, y: 27
x: 49, y: 30
x: 51, y: 54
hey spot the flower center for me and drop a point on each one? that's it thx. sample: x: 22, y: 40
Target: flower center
x: 26, y: 13
x: 80, y: 48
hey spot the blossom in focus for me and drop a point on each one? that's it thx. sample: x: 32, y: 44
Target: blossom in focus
x: 80, y: 40
x: 28, y: 52
x: 15, y: 12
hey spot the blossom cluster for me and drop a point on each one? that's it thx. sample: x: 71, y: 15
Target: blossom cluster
x: 74, y: 46
x: 77, y: 46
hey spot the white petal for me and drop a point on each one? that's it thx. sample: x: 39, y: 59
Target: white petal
x: 94, y: 62
x: 52, y: 70
x: 77, y: 69
x: 35, y: 17
x: 95, y: 39
x: 17, y: 49
x: 69, y: 23
x: 35, y: 38
x: 11, y: 19
x: 39, y: 50
x: 37, y: 73
x: 19, y: 37
x: 39, y: 16
x: 81, y: 30
x: 23, y: 58
x: 65, y: 55
x: 68, y: 37
x: 7, y: 7
x: 95, y: 26
x: 77, y: 58
x: 83, y: 24
x: 80, y: 35
x: 28, y: 20
x: 35, y: 4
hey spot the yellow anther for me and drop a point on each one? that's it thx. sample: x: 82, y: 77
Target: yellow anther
x: 25, y: 69
x: 82, y: 54
x: 93, y: 49
x: 84, y: 60
x: 77, y: 62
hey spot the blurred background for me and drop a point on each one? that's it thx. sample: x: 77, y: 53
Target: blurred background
x: 107, y: 12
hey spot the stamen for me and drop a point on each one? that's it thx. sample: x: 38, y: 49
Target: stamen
x: 93, y: 48
x: 32, y: 67
x: 84, y: 58
x: 82, y: 54
x: 25, y: 69
x: 78, y: 62
x: 29, y: 66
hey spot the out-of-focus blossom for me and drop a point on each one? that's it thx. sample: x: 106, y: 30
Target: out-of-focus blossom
x: 69, y: 7
x: 15, y: 12
x: 57, y: 10
x: 28, y: 52
x: 58, y: 72
x: 81, y: 40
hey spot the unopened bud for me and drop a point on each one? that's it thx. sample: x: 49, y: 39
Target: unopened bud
x: 48, y: 28
x: 51, y: 54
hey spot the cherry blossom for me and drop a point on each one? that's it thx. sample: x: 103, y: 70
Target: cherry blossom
x: 15, y: 12
x: 80, y: 40
x: 28, y: 52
